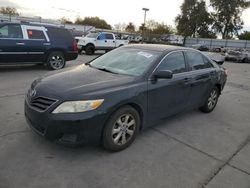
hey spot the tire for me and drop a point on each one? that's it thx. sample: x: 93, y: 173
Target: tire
x: 56, y: 60
x: 211, y: 101
x: 80, y: 51
x: 245, y: 60
x: 121, y: 129
x: 90, y: 49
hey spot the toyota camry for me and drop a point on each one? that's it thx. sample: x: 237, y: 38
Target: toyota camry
x: 109, y: 100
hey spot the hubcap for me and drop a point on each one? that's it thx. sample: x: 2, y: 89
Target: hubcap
x: 212, y: 99
x: 56, y: 62
x: 123, y: 129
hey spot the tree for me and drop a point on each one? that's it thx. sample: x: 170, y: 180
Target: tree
x: 93, y: 21
x: 120, y: 26
x: 227, y: 16
x: 130, y: 27
x: 64, y: 20
x: 244, y: 36
x: 194, y: 19
x: 9, y: 10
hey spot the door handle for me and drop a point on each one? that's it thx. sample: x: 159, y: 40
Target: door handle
x: 113, y: 41
x: 20, y: 43
x: 212, y: 73
x: 105, y: 40
x: 186, y: 80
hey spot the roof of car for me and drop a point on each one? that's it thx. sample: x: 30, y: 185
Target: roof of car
x: 32, y: 24
x: 157, y: 47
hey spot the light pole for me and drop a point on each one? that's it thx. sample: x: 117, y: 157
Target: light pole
x: 144, y: 25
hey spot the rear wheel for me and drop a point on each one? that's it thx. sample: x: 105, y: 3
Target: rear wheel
x: 121, y: 129
x: 90, y: 49
x: 211, y: 101
x: 56, y: 60
x: 245, y: 60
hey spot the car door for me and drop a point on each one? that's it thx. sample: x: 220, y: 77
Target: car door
x: 105, y: 41
x: 202, y: 73
x: 169, y: 96
x: 12, y: 43
x: 110, y: 41
x: 37, y: 41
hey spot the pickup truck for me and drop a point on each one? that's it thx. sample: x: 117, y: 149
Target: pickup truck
x: 99, y: 41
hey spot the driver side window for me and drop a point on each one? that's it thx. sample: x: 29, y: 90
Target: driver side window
x: 101, y: 37
x: 174, y: 62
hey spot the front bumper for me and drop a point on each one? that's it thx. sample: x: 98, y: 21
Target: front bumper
x: 70, y: 129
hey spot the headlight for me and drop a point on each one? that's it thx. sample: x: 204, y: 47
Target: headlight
x: 78, y: 106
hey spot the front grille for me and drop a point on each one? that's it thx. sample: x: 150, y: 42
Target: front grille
x: 42, y: 103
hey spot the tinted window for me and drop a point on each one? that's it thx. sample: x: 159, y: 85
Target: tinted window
x: 175, y: 62
x: 207, y: 62
x: 35, y: 34
x: 11, y: 31
x: 59, y: 34
x: 109, y: 36
x: 195, y: 60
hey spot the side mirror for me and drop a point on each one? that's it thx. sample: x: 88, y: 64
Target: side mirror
x: 165, y: 74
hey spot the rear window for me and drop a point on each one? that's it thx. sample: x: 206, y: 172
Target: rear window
x: 195, y: 60
x: 59, y: 33
x: 36, y: 34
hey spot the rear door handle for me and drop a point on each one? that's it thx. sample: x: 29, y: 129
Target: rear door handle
x: 186, y: 80
x: 20, y: 43
x: 212, y: 73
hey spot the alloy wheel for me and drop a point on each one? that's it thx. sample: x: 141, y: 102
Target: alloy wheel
x: 123, y: 129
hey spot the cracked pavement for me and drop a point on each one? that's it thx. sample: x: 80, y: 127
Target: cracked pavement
x: 188, y: 150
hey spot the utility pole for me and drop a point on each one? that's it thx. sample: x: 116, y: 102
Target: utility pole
x: 144, y: 25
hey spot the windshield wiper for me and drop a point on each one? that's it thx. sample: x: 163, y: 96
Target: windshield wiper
x: 104, y: 69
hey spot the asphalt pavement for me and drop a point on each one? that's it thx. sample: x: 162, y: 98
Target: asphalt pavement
x: 188, y: 150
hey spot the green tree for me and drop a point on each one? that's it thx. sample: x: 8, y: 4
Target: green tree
x: 154, y: 27
x: 227, y: 16
x: 64, y: 20
x: 194, y: 19
x: 93, y: 21
x: 130, y: 27
x: 244, y: 36
x: 9, y: 10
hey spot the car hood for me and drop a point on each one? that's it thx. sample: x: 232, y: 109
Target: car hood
x: 78, y: 82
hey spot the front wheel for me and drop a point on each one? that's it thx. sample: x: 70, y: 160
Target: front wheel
x: 56, y: 60
x: 121, y: 129
x: 211, y: 101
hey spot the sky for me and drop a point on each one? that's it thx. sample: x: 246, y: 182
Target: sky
x: 113, y: 11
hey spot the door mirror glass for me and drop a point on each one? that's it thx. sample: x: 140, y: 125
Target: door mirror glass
x: 164, y: 74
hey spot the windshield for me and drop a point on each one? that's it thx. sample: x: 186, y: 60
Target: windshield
x: 128, y: 61
x: 92, y: 35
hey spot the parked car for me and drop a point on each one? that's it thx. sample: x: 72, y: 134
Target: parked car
x: 201, y: 47
x: 24, y: 42
x: 216, y: 57
x: 110, y: 99
x: 238, y: 55
x: 99, y: 41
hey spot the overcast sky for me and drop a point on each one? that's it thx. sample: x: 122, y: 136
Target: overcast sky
x: 113, y: 11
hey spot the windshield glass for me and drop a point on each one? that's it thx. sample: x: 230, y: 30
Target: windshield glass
x: 92, y: 35
x: 128, y: 61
